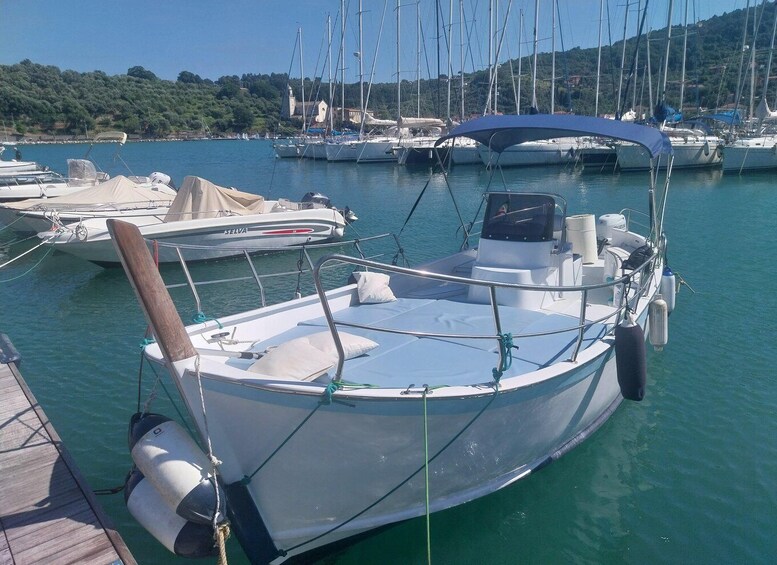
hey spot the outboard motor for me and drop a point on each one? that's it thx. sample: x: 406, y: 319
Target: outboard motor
x: 317, y: 198
x: 161, y: 178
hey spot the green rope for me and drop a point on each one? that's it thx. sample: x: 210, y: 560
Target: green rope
x: 505, y: 354
x: 426, y: 479
x: 404, y: 482
x: 201, y: 318
x: 146, y: 342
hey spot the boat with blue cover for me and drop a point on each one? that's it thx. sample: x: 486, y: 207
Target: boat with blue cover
x: 410, y: 390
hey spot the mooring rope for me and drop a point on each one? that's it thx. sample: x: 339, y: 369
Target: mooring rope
x: 405, y: 481
x: 426, y: 481
x: 43, y: 242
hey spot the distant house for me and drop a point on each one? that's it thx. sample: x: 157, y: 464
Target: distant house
x: 315, y: 111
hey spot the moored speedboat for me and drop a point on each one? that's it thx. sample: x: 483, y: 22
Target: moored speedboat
x: 116, y: 197
x: 208, y: 222
x: 414, y: 390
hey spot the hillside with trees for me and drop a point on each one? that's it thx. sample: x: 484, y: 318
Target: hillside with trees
x: 44, y: 100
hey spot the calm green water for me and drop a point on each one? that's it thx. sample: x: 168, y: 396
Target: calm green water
x: 685, y: 476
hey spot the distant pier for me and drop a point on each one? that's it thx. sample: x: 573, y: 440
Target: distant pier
x: 48, y: 514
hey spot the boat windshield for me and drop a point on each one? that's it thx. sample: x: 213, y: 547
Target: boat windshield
x: 519, y: 217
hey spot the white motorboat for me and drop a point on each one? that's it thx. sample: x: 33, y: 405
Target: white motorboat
x: 16, y: 165
x: 119, y: 196
x: 412, y: 390
x: 209, y: 222
x: 16, y: 186
x: 750, y: 154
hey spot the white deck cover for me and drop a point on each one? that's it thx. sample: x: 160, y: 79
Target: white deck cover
x: 118, y: 190
x: 200, y: 198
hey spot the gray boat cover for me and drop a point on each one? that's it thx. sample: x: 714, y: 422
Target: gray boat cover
x: 200, y: 198
x: 118, y: 191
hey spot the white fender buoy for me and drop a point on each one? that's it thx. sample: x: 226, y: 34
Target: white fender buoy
x: 176, y: 466
x: 658, y: 322
x: 182, y: 537
x: 630, y: 359
x: 706, y: 148
x: 668, y: 288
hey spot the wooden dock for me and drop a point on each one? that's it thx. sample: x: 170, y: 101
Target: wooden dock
x: 48, y: 514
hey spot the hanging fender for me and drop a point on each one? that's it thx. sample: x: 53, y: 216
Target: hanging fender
x: 148, y: 507
x: 182, y: 474
x: 630, y: 359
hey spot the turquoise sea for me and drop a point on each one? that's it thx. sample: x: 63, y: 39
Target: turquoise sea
x: 686, y: 476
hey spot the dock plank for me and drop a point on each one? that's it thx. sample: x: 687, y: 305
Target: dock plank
x: 47, y: 512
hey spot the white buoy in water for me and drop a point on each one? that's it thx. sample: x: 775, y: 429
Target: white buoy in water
x: 668, y: 288
x: 658, y: 322
x: 176, y: 466
x: 182, y: 537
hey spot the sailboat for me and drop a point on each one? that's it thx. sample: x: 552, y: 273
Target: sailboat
x: 694, y: 148
x: 411, y: 390
x: 758, y: 152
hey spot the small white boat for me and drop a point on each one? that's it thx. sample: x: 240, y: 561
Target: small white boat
x: 209, y: 222
x: 16, y: 165
x: 415, y: 390
x: 119, y: 196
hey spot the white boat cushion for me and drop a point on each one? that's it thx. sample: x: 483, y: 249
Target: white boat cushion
x: 307, y: 358
x: 373, y: 288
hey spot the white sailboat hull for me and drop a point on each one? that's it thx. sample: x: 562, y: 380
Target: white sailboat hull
x: 750, y: 154
x: 691, y: 154
x: 535, y: 153
x: 377, y: 151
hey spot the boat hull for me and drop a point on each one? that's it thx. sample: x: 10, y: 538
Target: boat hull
x: 344, y: 151
x: 750, y: 155
x: 687, y: 155
x: 201, y: 240
x: 477, y: 444
x: 377, y: 151
x: 532, y: 154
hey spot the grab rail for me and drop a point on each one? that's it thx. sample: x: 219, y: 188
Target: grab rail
x: 646, y: 267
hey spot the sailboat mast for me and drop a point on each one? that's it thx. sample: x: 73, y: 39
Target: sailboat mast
x: 649, y: 73
x: 496, y: 55
x: 685, y: 47
x: 619, y: 108
x: 342, y: 62
x: 461, y: 55
x: 450, y: 63
x: 302, y: 75
x: 666, y: 60
x: 752, y: 59
x: 361, y: 69
x: 490, y: 51
x: 329, y: 58
x: 437, y: 28
x: 520, y: 41
x: 534, y: 69
x: 598, y: 58
x: 399, y: 77
x: 636, y: 54
x: 553, y: 60
x: 418, y: 59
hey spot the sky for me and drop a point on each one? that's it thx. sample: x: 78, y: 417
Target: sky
x: 233, y: 37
